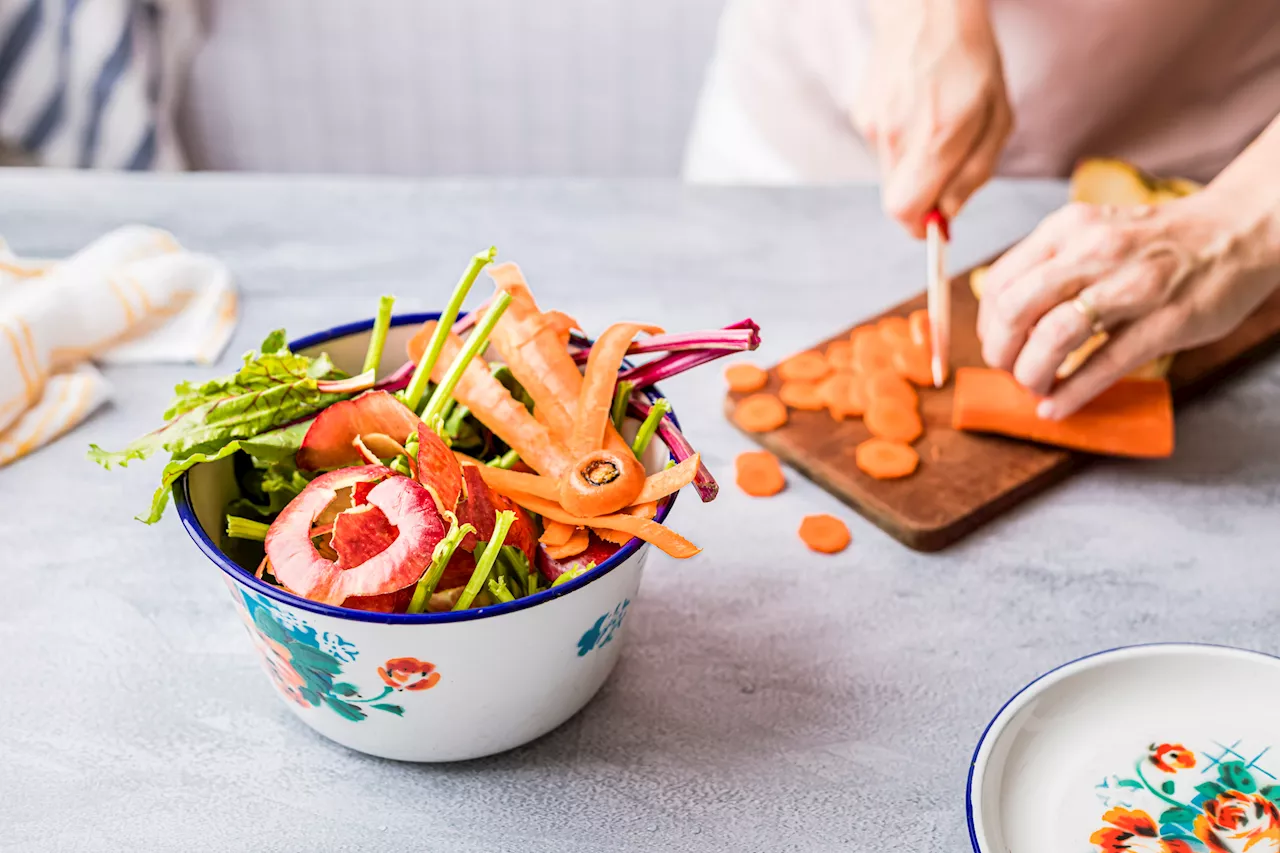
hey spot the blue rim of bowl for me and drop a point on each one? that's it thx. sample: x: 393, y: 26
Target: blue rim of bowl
x: 973, y: 762
x: 186, y: 512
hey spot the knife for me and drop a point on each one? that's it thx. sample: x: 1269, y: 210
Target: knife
x: 937, y: 235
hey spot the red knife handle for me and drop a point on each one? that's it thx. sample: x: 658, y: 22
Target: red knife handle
x: 935, y: 216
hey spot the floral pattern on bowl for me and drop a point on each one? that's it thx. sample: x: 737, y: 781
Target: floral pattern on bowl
x: 601, y: 633
x: 1216, y: 798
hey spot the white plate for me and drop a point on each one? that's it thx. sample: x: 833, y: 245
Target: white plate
x: 1160, y: 749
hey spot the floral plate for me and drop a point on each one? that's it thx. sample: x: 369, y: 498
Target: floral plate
x: 1159, y: 749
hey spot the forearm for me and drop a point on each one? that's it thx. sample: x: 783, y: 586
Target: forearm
x: 1245, y: 199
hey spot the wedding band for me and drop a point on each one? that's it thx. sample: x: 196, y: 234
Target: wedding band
x: 1089, y: 313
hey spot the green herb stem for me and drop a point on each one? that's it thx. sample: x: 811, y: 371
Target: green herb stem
x: 506, y: 460
x: 498, y: 589
x: 476, y: 342
x: 440, y: 558
x: 378, y: 337
x: 621, y: 395
x: 485, y: 560
x: 649, y: 427
x: 578, y: 570
x: 422, y: 374
x: 244, y: 528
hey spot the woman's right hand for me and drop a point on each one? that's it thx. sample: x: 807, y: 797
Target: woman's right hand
x: 933, y: 105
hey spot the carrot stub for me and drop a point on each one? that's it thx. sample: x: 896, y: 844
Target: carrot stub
x: 886, y: 460
x: 759, y: 474
x: 804, y: 367
x: 745, y: 378
x: 1134, y: 417
x: 760, y: 413
x: 806, y: 396
x: 870, y: 352
x: 825, y: 534
x: 893, y: 419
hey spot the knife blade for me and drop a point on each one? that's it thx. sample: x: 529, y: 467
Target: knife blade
x: 936, y: 235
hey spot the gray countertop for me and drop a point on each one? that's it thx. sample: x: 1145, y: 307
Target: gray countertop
x: 767, y: 699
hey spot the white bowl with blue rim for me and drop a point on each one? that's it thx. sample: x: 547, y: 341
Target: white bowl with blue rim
x: 431, y: 686
x: 1163, y: 748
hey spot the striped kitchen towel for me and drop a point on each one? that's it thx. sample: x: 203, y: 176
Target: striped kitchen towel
x: 130, y: 297
x: 93, y: 83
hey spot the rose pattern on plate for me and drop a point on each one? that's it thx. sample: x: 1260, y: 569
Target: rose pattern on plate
x: 1217, y: 798
x: 601, y: 633
x: 307, y: 665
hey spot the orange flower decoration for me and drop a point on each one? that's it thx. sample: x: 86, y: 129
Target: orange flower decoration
x: 409, y: 674
x: 1170, y: 757
x: 1234, y: 821
x: 1133, y: 831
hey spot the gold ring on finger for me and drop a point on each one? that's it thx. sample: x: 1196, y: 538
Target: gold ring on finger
x: 1090, y: 314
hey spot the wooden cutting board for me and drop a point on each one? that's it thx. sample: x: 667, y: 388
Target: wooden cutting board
x: 965, y: 480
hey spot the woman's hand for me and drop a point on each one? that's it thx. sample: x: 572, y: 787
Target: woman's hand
x: 933, y: 105
x: 1157, y: 279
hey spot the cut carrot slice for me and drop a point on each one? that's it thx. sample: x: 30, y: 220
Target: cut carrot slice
x: 845, y: 395
x: 805, y: 367
x: 886, y: 460
x: 760, y: 413
x: 806, y: 396
x: 555, y: 534
x: 825, y: 534
x: 759, y: 474
x: 577, y: 543
x: 894, y: 331
x: 887, y: 384
x: 889, y: 417
x: 914, y: 364
x: 663, y: 538
x: 870, y: 352
x: 840, y: 355
x: 918, y: 323
x: 745, y: 378
x: 1134, y: 417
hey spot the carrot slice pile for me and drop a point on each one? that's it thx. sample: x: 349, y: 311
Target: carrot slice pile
x: 806, y: 396
x: 804, y: 367
x: 894, y: 331
x: 825, y: 534
x: 870, y: 352
x: 759, y: 474
x: 1134, y: 417
x: 744, y: 378
x: 889, y: 417
x: 760, y: 413
x: 914, y: 363
x: 886, y: 460
x: 840, y: 356
x: 888, y: 385
x: 845, y: 395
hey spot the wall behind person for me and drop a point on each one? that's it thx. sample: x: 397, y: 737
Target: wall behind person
x: 447, y: 87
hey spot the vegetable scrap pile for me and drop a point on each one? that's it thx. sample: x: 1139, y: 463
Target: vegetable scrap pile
x: 453, y: 482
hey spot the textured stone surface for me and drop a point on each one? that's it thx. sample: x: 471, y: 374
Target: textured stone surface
x: 768, y: 699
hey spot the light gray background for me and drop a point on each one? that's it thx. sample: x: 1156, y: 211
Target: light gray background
x: 768, y: 699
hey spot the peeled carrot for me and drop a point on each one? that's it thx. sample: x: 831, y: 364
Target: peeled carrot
x: 914, y: 364
x: 894, y: 331
x: 554, y: 533
x: 1134, y: 417
x: 891, y: 418
x: 577, y: 543
x: 804, y: 367
x: 887, y: 384
x: 663, y: 538
x: 840, y: 355
x: 760, y: 413
x: 759, y: 474
x: 845, y: 395
x: 806, y: 396
x: 870, y: 352
x: 918, y: 323
x: 825, y: 534
x: 744, y: 378
x: 886, y: 460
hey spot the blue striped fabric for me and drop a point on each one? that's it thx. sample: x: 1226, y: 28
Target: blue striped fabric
x: 81, y: 81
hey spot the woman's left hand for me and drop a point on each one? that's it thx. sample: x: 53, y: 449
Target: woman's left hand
x: 1157, y: 279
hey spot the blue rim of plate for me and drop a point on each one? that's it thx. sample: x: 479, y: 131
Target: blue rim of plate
x: 237, y: 573
x: 973, y: 761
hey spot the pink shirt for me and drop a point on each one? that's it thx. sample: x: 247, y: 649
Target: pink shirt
x: 1178, y: 87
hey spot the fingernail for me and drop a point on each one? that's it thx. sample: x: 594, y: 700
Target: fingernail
x: 1047, y: 410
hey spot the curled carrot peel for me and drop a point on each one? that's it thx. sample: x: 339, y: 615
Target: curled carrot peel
x: 577, y: 542
x: 662, y: 538
x: 555, y: 533
x: 504, y: 481
x: 596, y: 397
x: 617, y: 537
x: 669, y: 481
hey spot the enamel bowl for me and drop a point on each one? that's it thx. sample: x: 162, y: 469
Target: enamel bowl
x: 1171, y: 748
x: 432, y: 686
